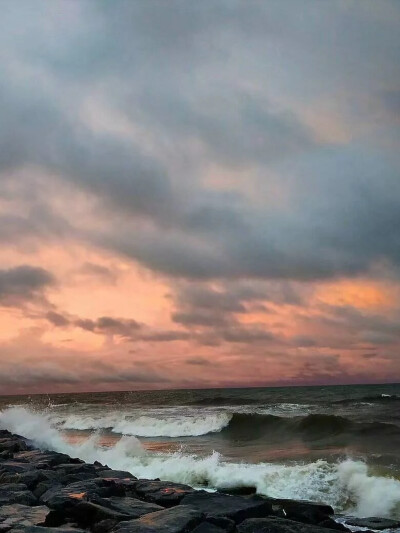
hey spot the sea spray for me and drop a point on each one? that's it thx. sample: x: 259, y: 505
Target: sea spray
x: 345, y: 485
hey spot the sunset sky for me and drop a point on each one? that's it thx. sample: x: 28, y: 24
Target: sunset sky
x: 199, y: 193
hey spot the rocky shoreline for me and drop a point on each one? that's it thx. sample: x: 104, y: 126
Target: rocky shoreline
x: 43, y: 491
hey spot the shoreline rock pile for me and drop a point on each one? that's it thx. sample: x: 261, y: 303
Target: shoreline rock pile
x: 43, y: 491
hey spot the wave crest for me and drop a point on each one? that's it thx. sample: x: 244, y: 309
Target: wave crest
x: 151, y: 426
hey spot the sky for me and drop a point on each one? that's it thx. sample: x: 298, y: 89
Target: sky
x: 198, y: 194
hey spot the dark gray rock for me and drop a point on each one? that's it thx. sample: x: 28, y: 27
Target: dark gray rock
x: 163, y: 493
x: 331, y: 524
x: 17, y: 515
x: 234, y: 507
x: 45, y: 486
x: 180, y: 519
x: 125, y: 485
x: 75, y: 468
x: 278, y: 525
x: 40, y: 529
x: 222, y: 522
x: 42, y: 459
x: 130, y: 506
x: 238, y: 491
x: 104, y: 526
x: 24, y: 497
x: 15, y: 467
x: 13, y: 486
x: 302, y: 510
x: 115, y: 474
x: 6, y: 454
x: 116, y: 508
x: 63, y: 498
x: 12, y: 444
x: 373, y: 522
x: 207, y: 527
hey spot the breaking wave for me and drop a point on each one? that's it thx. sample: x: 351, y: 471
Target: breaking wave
x: 243, y: 426
x: 377, y: 398
x: 346, y: 485
x: 148, y: 426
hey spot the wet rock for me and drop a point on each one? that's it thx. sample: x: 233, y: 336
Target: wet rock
x: 24, y: 497
x: 238, y: 491
x: 17, y: 515
x: 207, y: 527
x: 45, y: 486
x: 115, y: 474
x: 6, y: 454
x: 163, y: 493
x: 373, y: 522
x: 302, y: 510
x: 115, y: 508
x: 63, y: 498
x: 30, y: 478
x: 130, y: 506
x: 75, y: 468
x: 13, y: 486
x: 331, y: 524
x: 234, y: 507
x: 180, y: 519
x: 12, y: 444
x: 42, y: 459
x: 222, y: 522
x: 15, y: 467
x: 104, y: 526
x: 40, y: 529
x: 89, y: 513
x: 278, y: 525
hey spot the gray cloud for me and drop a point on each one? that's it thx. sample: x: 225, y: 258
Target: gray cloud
x: 109, y: 325
x: 347, y: 199
x: 23, y: 283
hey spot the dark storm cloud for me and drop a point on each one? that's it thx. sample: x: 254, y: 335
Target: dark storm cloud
x: 222, y: 84
x: 57, y: 319
x: 23, y: 283
x: 109, y: 325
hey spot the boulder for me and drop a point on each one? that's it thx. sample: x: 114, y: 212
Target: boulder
x: 115, y: 508
x: 42, y: 459
x: 179, y: 519
x: 302, y: 510
x: 236, y: 508
x: 130, y: 506
x: 163, y: 493
x: 40, y: 529
x: 207, y: 527
x: 15, y: 467
x: 13, y: 495
x: 12, y: 444
x: 115, y: 474
x: 104, y: 526
x: 62, y: 500
x: 17, y: 515
x: 278, y: 525
x: 373, y: 522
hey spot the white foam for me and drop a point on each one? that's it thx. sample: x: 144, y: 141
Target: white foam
x: 149, y: 426
x: 346, y: 485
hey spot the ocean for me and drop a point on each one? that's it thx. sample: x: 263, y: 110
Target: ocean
x: 335, y: 444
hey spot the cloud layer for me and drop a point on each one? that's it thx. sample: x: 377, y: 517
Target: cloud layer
x: 200, y: 182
